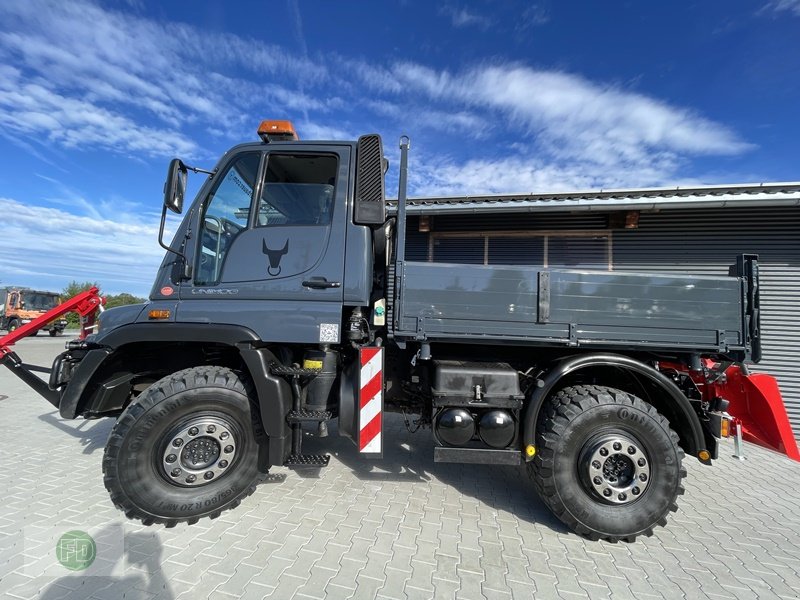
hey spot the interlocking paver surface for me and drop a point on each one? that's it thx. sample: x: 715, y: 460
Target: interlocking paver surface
x: 397, y: 528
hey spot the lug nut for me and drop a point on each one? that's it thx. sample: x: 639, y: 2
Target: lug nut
x: 597, y: 481
x: 193, y: 431
x: 222, y: 464
x: 603, y: 452
x: 635, y: 491
x: 224, y: 435
x: 228, y: 449
x: 643, y: 476
x: 177, y: 442
x: 596, y: 464
x: 606, y: 492
x: 211, y: 429
x: 191, y: 479
x: 623, y: 496
x: 617, y: 446
x: 171, y: 458
x: 641, y: 462
x: 208, y: 475
x: 631, y: 450
x: 176, y: 472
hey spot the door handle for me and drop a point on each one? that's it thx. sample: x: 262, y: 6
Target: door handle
x: 320, y: 283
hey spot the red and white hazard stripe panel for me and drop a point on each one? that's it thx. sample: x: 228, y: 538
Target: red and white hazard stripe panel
x: 370, y: 401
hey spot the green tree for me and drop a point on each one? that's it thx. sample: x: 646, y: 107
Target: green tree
x: 123, y: 299
x: 75, y: 287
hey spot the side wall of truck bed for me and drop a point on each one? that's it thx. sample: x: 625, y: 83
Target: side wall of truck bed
x: 570, y: 307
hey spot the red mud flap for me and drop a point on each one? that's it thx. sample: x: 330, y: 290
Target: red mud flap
x: 756, y: 401
x: 370, y: 403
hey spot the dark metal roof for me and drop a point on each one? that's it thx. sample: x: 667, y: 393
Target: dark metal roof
x: 714, y: 196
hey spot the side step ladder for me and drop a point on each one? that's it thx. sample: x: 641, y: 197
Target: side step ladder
x: 298, y: 415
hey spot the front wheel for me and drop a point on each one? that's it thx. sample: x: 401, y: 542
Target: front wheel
x: 184, y: 449
x: 608, y: 464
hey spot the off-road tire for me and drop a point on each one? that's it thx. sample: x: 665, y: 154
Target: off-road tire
x: 13, y: 325
x: 573, y: 417
x: 133, y: 459
x: 54, y: 332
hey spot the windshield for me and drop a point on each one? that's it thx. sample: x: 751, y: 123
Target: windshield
x: 39, y: 301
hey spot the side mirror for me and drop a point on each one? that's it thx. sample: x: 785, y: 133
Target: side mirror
x: 370, y: 204
x: 175, y: 186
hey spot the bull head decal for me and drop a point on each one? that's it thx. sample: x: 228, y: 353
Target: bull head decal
x: 274, y: 256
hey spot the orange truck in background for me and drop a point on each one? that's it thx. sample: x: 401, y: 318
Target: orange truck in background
x: 19, y: 306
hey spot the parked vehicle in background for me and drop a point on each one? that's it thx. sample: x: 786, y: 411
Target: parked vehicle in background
x: 19, y: 306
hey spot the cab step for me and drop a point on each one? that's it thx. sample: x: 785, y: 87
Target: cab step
x: 304, y: 416
x: 301, y: 461
x: 285, y: 371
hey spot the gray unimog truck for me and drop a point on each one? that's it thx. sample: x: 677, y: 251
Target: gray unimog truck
x: 285, y: 301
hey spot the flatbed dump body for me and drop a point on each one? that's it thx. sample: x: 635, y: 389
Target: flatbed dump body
x: 566, y: 307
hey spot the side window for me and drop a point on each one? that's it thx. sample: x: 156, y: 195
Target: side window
x: 225, y: 216
x: 13, y: 300
x: 298, y: 190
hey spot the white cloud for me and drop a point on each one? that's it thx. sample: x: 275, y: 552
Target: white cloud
x: 784, y: 6
x: 133, y: 85
x: 574, y: 129
x: 147, y: 88
x: 520, y: 173
x: 461, y: 17
x: 534, y: 15
x: 118, y: 250
x: 75, y: 75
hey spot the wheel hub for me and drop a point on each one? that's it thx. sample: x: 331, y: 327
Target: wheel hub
x: 616, y: 468
x: 199, y: 452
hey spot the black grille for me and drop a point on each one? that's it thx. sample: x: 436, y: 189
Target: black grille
x: 370, y: 206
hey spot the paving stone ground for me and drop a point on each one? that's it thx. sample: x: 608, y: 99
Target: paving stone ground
x: 401, y: 527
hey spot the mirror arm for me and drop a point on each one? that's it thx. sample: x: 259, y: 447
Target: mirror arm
x: 199, y: 170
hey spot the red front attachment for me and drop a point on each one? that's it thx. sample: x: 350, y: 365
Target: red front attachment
x: 85, y: 304
x: 756, y: 402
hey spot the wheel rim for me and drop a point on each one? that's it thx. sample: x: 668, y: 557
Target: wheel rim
x: 199, y: 452
x: 615, y: 468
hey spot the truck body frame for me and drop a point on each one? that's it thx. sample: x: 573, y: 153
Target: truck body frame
x: 287, y: 280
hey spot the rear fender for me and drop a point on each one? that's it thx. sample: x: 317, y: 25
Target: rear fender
x: 684, y: 419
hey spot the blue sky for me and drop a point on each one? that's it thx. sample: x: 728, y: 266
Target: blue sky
x: 502, y: 96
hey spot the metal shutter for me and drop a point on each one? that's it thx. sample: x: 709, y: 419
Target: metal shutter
x: 707, y: 241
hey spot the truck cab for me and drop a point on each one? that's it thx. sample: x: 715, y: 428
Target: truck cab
x: 20, y: 306
x: 270, y: 244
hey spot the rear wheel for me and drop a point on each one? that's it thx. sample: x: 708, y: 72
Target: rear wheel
x: 184, y: 449
x: 55, y: 332
x: 608, y: 464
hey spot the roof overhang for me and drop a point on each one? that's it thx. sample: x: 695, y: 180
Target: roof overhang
x: 760, y: 195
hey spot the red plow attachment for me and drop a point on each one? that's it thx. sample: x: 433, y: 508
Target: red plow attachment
x: 756, y: 402
x: 86, y: 304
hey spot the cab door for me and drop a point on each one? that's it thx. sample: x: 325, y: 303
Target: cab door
x: 269, y: 253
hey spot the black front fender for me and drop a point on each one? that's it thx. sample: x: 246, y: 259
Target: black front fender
x: 83, y: 382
